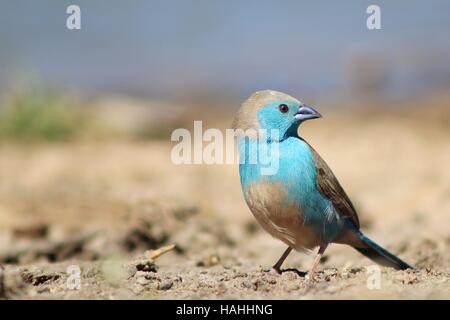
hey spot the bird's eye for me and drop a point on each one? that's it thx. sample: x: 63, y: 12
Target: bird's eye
x: 283, y: 108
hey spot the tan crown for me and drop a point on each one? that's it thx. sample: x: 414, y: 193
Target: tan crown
x: 246, y: 116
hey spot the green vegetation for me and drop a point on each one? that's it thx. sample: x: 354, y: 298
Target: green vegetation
x: 39, y: 116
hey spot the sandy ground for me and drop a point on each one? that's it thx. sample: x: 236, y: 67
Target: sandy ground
x: 101, y: 206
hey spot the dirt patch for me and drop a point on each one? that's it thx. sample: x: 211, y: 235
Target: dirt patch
x: 98, y: 208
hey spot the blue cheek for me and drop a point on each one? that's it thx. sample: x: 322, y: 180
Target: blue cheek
x: 270, y: 118
x: 266, y: 118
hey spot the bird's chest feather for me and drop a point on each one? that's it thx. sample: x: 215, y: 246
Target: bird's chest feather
x: 294, y: 171
x: 286, y: 203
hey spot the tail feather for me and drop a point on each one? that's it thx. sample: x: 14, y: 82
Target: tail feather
x: 376, y: 253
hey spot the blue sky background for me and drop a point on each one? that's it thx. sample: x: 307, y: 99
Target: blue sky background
x: 176, y: 48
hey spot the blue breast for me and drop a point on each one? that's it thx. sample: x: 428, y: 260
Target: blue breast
x: 297, y: 174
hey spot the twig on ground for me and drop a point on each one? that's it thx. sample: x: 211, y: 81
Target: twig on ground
x: 154, y: 254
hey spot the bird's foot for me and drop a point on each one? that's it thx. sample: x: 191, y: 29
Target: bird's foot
x: 309, y: 277
x: 276, y: 271
x: 310, y: 274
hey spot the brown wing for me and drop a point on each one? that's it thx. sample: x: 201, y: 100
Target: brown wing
x: 329, y: 187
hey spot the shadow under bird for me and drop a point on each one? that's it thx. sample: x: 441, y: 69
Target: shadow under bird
x: 301, y: 203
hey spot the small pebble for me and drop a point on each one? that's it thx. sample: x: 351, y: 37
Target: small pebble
x: 165, y: 285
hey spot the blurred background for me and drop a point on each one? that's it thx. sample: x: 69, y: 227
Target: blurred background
x: 86, y: 117
x: 183, y: 50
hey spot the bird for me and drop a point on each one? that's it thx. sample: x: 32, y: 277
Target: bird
x: 300, y: 203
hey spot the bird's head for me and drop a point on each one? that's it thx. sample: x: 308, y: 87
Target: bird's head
x: 273, y: 110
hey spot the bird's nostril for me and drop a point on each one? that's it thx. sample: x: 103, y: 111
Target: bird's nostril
x: 305, y: 110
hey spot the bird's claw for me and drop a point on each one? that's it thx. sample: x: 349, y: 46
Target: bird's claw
x: 276, y: 270
x: 310, y: 277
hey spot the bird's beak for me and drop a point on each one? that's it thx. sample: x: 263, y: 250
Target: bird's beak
x: 306, y: 113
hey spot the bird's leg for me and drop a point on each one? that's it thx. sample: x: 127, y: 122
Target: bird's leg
x: 277, y: 266
x: 316, y: 261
